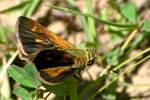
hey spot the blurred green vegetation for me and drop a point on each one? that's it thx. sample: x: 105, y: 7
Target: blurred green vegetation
x: 126, y: 27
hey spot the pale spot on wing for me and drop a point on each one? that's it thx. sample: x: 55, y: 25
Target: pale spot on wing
x: 38, y: 41
x: 34, y: 29
x: 42, y: 42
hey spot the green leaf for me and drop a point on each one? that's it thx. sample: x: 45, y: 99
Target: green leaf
x: 22, y: 93
x: 147, y: 25
x: 63, y: 88
x: 128, y: 10
x: 82, y: 45
x: 32, y: 8
x: 2, y: 35
x: 110, y: 97
x: 19, y: 75
x: 116, y: 39
x: 32, y: 72
x: 113, y: 56
x: 59, y: 89
x: 112, y: 61
x: 15, y: 8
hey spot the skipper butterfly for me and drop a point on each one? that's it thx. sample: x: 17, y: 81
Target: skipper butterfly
x: 54, y: 57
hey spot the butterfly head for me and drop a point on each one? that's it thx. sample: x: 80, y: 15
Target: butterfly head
x: 92, y: 56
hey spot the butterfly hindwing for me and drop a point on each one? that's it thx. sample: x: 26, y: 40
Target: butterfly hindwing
x: 56, y: 74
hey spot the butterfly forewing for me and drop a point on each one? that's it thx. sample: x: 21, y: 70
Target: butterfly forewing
x: 35, y: 37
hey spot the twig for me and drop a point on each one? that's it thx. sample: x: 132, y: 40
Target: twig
x: 131, y: 36
x: 5, y: 67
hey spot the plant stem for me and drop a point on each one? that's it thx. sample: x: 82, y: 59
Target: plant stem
x: 5, y: 67
x: 111, y: 82
x: 33, y: 6
x: 130, y: 59
x: 91, y: 22
x: 94, y: 17
x: 133, y: 33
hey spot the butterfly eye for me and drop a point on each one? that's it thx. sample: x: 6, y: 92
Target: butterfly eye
x: 90, y: 62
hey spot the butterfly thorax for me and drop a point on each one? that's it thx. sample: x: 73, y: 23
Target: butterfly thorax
x: 80, y: 57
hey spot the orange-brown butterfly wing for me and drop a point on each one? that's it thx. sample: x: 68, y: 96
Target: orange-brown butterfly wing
x: 33, y: 37
x: 54, y: 75
x: 57, y: 74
